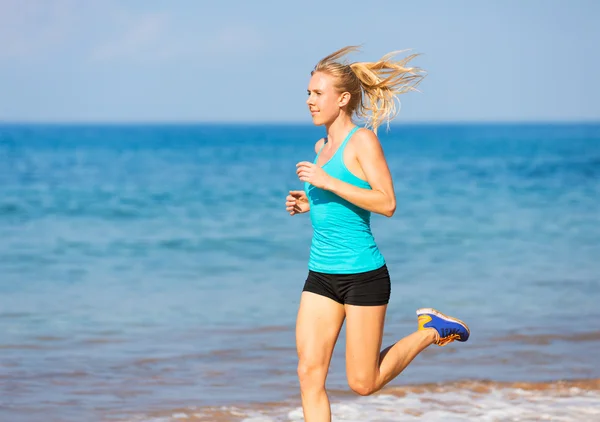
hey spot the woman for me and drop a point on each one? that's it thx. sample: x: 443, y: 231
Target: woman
x: 348, y: 278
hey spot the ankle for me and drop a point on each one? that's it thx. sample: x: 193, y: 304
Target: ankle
x: 432, y: 335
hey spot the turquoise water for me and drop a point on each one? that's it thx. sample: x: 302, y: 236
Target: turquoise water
x: 155, y: 266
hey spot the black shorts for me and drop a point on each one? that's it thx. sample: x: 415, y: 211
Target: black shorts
x: 370, y: 288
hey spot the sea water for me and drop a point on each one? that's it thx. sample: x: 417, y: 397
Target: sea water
x: 151, y: 271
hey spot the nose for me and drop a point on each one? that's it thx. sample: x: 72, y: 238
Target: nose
x: 309, y: 100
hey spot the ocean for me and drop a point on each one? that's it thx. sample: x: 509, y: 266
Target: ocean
x: 151, y: 272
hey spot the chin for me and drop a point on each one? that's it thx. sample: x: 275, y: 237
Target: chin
x: 317, y: 121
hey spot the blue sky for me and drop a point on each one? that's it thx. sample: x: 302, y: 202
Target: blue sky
x: 234, y: 60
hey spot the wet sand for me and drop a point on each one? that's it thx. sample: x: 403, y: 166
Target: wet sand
x: 465, y: 400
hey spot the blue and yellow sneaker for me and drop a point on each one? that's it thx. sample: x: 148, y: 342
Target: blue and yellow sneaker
x: 448, y: 328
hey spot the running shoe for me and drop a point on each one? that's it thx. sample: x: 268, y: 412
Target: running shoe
x: 448, y: 328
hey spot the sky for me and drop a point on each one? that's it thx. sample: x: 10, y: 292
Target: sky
x: 250, y: 61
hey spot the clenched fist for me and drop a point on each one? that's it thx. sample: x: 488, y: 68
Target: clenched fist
x: 313, y: 174
x: 297, y: 202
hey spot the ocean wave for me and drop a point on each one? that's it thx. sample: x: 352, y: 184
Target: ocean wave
x: 585, y: 168
x: 577, y: 400
x: 501, y: 170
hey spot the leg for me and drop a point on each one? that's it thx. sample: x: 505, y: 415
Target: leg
x: 367, y: 368
x: 317, y: 328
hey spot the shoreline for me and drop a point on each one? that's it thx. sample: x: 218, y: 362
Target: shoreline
x: 409, y: 401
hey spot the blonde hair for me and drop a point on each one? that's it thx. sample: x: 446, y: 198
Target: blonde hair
x: 373, y: 86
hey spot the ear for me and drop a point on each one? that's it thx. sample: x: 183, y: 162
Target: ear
x: 344, y: 99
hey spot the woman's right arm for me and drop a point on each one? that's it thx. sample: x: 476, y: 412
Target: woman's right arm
x: 297, y: 202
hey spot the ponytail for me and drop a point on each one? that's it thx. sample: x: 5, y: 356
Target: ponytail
x: 374, y: 87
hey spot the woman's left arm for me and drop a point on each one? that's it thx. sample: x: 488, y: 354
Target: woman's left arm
x: 380, y: 198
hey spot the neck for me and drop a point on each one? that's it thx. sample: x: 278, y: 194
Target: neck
x: 338, y: 129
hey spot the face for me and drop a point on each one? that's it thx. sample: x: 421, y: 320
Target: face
x: 324, y: 101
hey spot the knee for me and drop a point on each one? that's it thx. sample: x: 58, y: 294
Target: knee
x: 363, y: 386
x: 311, y: 375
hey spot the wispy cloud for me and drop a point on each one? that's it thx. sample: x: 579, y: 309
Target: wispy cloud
x: 117, y: 32
x: 29, y: 29
x: 144, y: 37
x: 236, y: 39
x: 156, y: 37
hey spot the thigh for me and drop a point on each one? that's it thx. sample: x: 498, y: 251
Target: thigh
x: 317, y: 328
x: 371, y: 288
x: 364, y: 334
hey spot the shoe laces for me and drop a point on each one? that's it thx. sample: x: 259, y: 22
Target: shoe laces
x: 450, y: 335
x: 448, y: 339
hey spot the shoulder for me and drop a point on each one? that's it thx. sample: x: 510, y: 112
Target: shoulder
x: 319, y: 145
x: 365, y: 141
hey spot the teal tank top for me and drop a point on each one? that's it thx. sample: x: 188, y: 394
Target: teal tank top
x: 342, y: 241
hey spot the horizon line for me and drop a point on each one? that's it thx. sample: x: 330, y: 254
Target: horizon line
x: 277, y: 123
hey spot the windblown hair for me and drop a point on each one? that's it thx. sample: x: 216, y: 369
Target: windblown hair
x: 374, y: 87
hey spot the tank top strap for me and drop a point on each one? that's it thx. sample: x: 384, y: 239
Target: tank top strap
x: 340, y: 150
x: 322, y: 146
x: 320, y: 149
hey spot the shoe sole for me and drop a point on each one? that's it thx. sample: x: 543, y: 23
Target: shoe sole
x: 442, y: 316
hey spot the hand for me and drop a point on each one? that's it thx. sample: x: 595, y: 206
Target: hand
x: 313, y: 174
x: 297, y: 202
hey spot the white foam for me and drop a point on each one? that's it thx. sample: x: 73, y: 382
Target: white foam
x: 500, y: 404
x: 508, y: 404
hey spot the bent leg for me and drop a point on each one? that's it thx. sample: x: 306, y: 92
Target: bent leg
x: 369, y: 369
x: 317, y: 329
